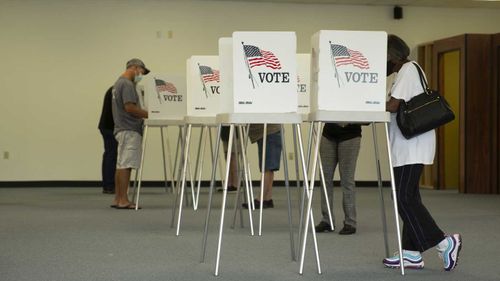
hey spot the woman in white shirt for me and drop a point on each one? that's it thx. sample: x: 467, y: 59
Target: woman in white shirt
x: 420, y: 231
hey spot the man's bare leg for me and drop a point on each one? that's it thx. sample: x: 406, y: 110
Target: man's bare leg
x: 268, y: 185
x: 122, y: 181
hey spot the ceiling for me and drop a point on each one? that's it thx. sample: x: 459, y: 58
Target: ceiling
x: 425, y: 3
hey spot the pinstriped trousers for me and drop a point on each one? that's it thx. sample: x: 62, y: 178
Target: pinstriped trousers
x: 345, y: 155
x: 420, y: 231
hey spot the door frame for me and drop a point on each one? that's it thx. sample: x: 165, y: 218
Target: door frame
x: 440, y: 47
x: 495, y: 42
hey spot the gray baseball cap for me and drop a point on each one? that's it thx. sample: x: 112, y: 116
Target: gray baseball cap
x: 137, y: 62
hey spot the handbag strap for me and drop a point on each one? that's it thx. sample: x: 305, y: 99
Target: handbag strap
x: 423, y: 80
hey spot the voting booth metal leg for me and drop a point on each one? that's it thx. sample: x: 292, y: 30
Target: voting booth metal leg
x: 287, y: 187
x: 262, y: 177
x: 199, y: 166
x: 302, y: 196
x: 325, y: 192
x: 237, y: 199
x: 183, y: 181
x: 224, y: 198
x: 144, y: 139
x: 309, y: 215
x: 179, y: 171
x: 297, y: 169
x: 178, y: 158
x: 134, y: 185
x: 164, y: 159
x: 381, y: 193
x: 210, y: 193
x: 171, y: 168
x: 251, y: 200
x: 323, y: 185
x: 247, y: 178
x: 394, y: 199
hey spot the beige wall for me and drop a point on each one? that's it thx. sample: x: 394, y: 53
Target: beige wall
x: 58, y: 58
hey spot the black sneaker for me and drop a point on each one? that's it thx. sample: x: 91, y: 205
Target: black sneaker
x: 347, y: 230
x: 323, y: 227
x: 267, y: 204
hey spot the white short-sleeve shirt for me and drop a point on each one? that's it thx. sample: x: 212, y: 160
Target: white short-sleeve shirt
x: 419, y: 149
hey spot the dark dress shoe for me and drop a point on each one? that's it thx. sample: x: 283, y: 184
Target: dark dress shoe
x: 323, y: 227
x: 347, y: 230
x: 267, y: 204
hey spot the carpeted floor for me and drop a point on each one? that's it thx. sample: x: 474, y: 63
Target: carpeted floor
x: 72, y: 234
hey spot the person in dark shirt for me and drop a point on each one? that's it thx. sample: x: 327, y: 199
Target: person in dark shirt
x: 340, y: 145
x: 106, y: 127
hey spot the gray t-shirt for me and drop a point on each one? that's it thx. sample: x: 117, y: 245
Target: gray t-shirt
x: 124, y: 92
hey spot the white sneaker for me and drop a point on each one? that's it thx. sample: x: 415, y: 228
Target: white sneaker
x: 449, y: 250
x: 411, y: 260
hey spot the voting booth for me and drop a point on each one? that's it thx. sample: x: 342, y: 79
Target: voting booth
x: 165, y: 96
x: 203, y: 104
x: 259, y: 85
x: 264, y: 71
x: 348, y: 85
x: 303, y: 83
x: 203, y: 86
x: 348, y: 71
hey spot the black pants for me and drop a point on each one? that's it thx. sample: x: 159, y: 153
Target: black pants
x: 420, y: 231
x: 109, y: 160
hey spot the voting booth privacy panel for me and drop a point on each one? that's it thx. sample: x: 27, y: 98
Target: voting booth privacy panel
x: 264, y: 71
x: 226, y: 74
x: 203, y: 89
x: 165, y: 96
x: 303, y: 82
x: 348, y: 70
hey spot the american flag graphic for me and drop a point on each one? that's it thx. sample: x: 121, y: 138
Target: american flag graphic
x: 257, y: 57
x: 162, y: 86
x: 208, y: 74
x: 346, y: 56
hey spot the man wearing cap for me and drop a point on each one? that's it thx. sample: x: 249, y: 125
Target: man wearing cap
x: 128, y: 118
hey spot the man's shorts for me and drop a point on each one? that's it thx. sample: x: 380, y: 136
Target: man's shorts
x: 273, y: 152
x: 129, y: 149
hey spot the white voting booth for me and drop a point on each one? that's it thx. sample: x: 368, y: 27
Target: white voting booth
x: 259, y: 83
x: 203, y: 86
x: 348, y: 85
x: 203, y: 104
x: 164, y: 97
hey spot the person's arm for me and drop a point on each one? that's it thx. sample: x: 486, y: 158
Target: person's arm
x: 136, y: 111
x: 392, y: 105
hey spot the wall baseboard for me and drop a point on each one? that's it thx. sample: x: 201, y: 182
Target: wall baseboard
x: 72, y: 184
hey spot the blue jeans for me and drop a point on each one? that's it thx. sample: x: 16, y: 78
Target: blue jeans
x: 109, y: 160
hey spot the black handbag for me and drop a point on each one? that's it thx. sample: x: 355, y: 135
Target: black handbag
x: 424, y: 112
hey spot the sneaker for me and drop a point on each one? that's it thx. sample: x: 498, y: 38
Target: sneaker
x: 347, y: 230
x: 410, y: 260
x: 267, y: 204
x: 450, y: 251
x: 323, y: 227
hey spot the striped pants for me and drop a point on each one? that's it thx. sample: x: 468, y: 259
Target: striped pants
x: 420, y: 231
x: 345, y: 154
